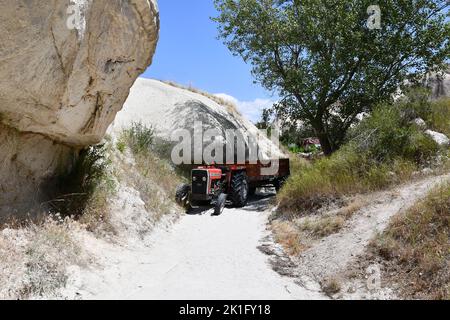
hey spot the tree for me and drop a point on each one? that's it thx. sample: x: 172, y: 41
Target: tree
x: 266, y: 120
x: 325, y: 58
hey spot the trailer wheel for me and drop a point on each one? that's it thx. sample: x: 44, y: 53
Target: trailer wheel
x: 239, y: 189
x: 279, y: 183
x: 182, y: 195
x: 220, y: 204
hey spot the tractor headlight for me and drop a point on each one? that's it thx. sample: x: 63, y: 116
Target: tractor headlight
x: 204, y: 179
x: 194, y: 179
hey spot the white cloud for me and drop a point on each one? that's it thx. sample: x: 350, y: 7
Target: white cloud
x: 252, y: 110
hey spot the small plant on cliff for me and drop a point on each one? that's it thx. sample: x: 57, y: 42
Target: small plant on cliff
x: 138, y: 137
x: 87, y: 185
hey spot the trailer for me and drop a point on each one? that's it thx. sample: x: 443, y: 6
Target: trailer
x: 219, y: 184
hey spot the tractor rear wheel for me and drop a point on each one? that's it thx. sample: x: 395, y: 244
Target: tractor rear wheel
x: 182, y: 195
x: 279, y: 183
x: 220, y: 204
x: 239, y: 189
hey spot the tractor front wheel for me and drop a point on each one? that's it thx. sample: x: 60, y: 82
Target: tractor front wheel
x: 182, y: 195
x: 239, y: 189
x: 220, y: 204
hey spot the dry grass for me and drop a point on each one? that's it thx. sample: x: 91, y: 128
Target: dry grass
x: 152, y: 176
x: 156, y: 181
x: 333, y: 222
x: 416, y: 247
x: 96, y: 216
x: 346, y: 173
x: 34, y: 259
x: 231, y: 107
x: 331, y: 286
x: 384, y: 149
x: 322, y: 227
x: 439, y: 117
x: 288, y: 236
x: 355, y: 205
x: 85, y: 192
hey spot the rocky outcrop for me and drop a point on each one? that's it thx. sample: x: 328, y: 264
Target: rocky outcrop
x: 26, y: 159
x: 169, y: 108
x: 68, y: 84
x: 439, y: 84
x: 66, y: 68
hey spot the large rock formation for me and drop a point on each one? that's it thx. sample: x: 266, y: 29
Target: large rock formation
x: 439, y: 84
x: 66, y: 68
x: 169, y: 108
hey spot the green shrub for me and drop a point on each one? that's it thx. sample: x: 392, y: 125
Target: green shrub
x: 155, y: 177
x: 345, y: 172
x: 297, y: 149
x: 385, y: 148
x: 121, y: 146
x: 435, y: 113
x: 416, y: 103
x: 420, y: 147
x: 389, y: 134
x: 88, y: 177
x: 416, y: 249
x: 138, y: 137
x: 439, y: 117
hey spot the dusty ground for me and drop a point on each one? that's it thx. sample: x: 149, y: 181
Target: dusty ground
x: 199, y: 257
x: 335, y: 257
x: 234, y: 256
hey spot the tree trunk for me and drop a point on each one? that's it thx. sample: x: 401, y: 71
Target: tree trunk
x: 327, y: 146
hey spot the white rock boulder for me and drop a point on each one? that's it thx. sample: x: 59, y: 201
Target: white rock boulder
x: 440, y: 138
x: 66, y: 68
x: 168, y: 108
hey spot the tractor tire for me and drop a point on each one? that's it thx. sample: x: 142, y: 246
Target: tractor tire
x: 220, y: 204
x: 239, y: 189
x: 279, y: 183
x: 252, y: 191
x: 182, y: 195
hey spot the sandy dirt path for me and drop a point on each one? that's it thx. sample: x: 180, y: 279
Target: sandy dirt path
x: 200, y: 257
x: 334, y: 253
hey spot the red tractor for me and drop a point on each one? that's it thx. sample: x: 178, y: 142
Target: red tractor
x: 234, y: 183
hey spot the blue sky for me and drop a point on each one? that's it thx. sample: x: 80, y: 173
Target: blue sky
x: 189, y: 53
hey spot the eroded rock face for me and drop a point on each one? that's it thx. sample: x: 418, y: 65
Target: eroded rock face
x: 26, y: 159
x: 65, y: 75
x: 439, y: 84
x: 66, y: 68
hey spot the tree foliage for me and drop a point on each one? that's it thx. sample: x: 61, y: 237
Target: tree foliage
x: 324, y: 61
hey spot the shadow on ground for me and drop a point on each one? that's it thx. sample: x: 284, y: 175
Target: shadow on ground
x: 257, y: 203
